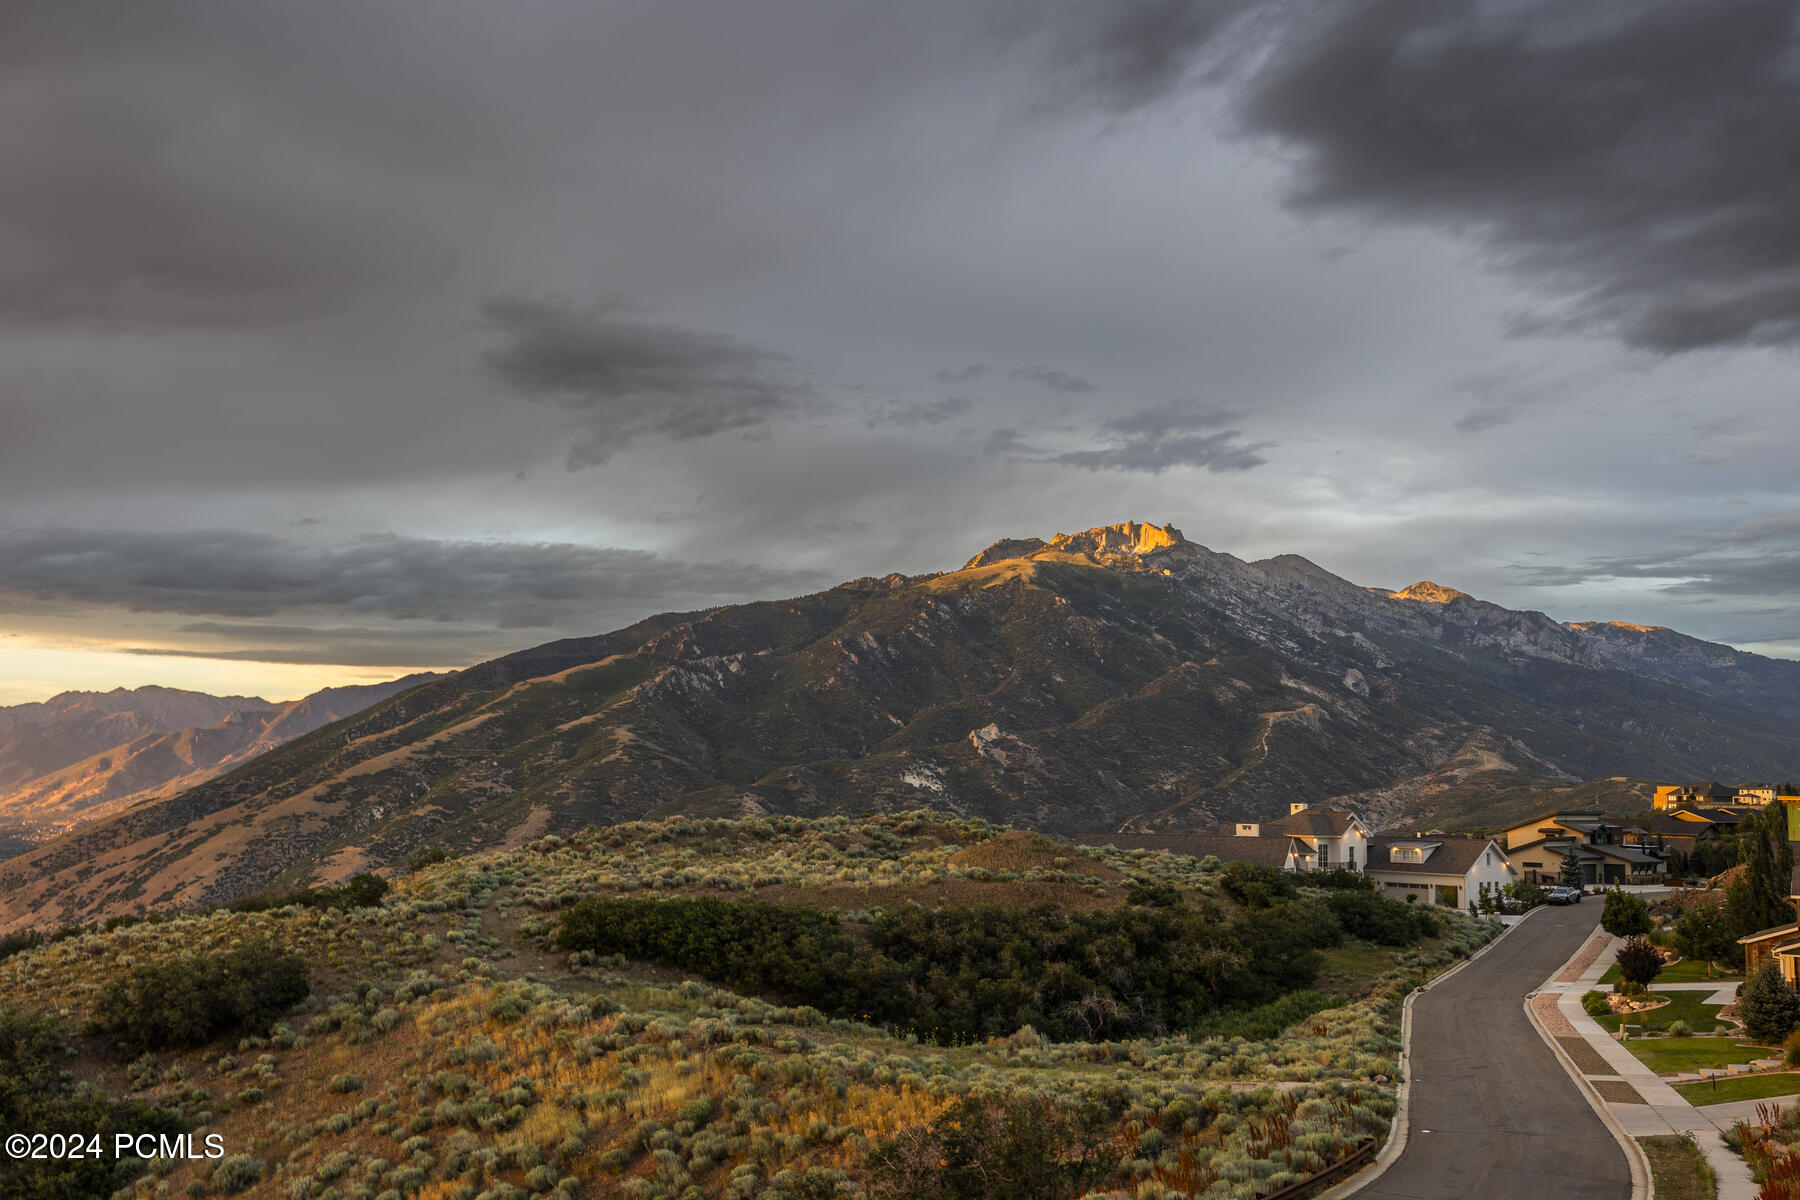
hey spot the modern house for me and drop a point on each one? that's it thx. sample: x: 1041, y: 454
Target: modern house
x: 1438, y: 870
x: 1608, y: 852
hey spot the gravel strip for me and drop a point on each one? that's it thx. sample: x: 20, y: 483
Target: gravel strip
x: 1584, y: 960
x: 1587, y: 1059
x: 1616, y: 1091
x: 1554, y: 1023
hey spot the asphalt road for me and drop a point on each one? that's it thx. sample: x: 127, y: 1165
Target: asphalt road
x: 1494, y: 1115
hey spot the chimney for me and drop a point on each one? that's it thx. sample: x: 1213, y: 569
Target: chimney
x: 1297, y: 806
x: 1248, y: 829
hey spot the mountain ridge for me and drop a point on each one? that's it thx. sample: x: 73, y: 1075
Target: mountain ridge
x: 1114, y: 678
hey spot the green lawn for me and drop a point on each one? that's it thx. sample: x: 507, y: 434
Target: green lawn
x: 1682, y: 1006
x: 1671, y: 1056
x: 1743, y: 1087
x: 1688, y: 970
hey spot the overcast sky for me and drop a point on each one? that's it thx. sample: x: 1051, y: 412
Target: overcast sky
x: 343, y: 339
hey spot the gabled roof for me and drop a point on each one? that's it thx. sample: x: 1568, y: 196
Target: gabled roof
x: 1453, y: 856
x: 1708, y: 787
x: 1309, y: 822
x: 1763, y: 935
x: 1558, y: 814
x: 1272, y: 851
x: 1670, y: 826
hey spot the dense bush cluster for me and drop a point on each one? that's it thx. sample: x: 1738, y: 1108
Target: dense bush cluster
x: 363, y: 890
x: 190, y: 1000
x: 37, y: 1096
x: 961, y: 974
x: 1029, y: 1148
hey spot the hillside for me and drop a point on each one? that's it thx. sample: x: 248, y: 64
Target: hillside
x: 446, y: 1041
x: 153, y: 742
x: 1119, y: 678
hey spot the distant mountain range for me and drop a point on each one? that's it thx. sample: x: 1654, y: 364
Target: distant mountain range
x: 1123, y: 677
x: 82, y: 756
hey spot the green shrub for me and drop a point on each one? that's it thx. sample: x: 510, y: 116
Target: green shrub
x: 1595, y: 1004
x: 36, y: 1095
x: 236, y: 1173
x: 1625, y: 915
x: 1767, y: 1006
x: 188, y: 1001
x: 1680, y: 1029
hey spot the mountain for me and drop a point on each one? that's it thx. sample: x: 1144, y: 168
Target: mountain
x: 81, y: 756
x: 1122, y: 677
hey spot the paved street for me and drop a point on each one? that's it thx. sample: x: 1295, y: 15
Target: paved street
x: 1494, y: 1115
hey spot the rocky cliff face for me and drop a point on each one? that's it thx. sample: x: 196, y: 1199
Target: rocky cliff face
x: 1122, y: 677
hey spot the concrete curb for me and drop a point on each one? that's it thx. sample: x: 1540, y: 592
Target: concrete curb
x: 1643, y: 1186
x: 1397, y: 1134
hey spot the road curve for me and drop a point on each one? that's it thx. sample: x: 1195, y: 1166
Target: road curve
x: 1493, y: 1114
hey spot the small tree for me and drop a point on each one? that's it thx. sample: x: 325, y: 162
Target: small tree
x: 1639, y: 961
x: 1703, y: 932
x: 1625, y: 915
x: 1571, y: 871
x: 1768, y: 1006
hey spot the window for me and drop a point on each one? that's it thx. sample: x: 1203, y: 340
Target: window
x: 1406, y: 854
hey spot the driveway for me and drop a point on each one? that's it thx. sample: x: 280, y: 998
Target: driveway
x: 1494, y: 1116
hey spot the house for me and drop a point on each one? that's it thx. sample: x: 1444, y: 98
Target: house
x: 1700, y: 794
x: 1673, y: 832
x: 1283, y: 853
x: 1438, y: 870
x: 1779, y: 944
x: 1607, y: 851
x: 1335, y: 837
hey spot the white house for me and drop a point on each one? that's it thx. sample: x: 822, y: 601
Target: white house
x: 1438, y: 870
x: 1336, y: 838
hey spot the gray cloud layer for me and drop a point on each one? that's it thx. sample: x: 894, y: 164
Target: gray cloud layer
x: 628, y: 377
x: 239, y: 574
x: 1427, y: 264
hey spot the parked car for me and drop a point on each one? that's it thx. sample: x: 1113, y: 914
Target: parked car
x: 1563, y: 895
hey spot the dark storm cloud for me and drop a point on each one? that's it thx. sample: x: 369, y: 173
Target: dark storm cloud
x: 920, y: 413
x: 1633, y: 159
x: 241, y: 574
x: 1757, y: 557
x: 1165, y: 436
x: 1133, y: 53
x: 1177, y: 416
x: 630, y: 378
x: 1156, y: 454
x: 1047, y: 377
x: 131, y: 198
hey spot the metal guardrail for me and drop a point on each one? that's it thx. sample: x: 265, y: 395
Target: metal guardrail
x: 1328, y: 1175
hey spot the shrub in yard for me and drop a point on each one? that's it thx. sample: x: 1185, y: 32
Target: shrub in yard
x: 1625, y: 915
x: 1767, y: 1006
x: 1680, y: 1029
x: 1595, y: 1004
x: 1639, y: 961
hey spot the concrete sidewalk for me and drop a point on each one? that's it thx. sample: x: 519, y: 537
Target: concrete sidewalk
x: 1630, y: 1094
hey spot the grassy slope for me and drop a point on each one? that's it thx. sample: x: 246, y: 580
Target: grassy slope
x: 464, y: 1051
x: 1679, y: 1169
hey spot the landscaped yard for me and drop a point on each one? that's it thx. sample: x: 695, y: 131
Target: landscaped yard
x: 1688, y: 970
x: 1683, y: 1006
x: 1741, y: 1087
x: 1672, y: 1056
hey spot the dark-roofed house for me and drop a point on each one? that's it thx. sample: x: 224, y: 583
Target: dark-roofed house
x: 1438, y: 870
x: 1283, y: 853
x: 1336, y: 837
